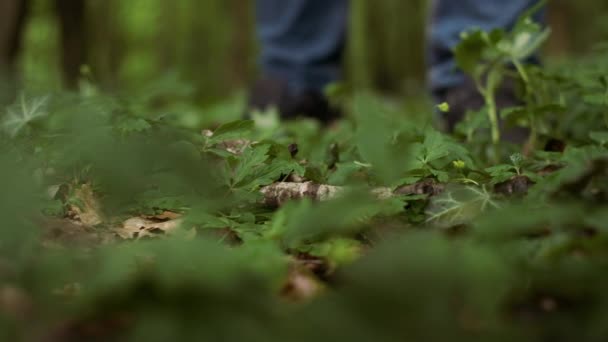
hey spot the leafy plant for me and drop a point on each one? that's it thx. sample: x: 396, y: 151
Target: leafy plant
x: 24, y: 114
x: 486, y: 57
x: 378, y: 227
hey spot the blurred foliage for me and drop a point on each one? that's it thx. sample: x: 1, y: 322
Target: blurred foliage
x: 459, y: 249
x: 135, y: 41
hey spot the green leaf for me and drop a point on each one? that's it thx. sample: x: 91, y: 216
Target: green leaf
x: 132, y: 124
x: 517, y: 159
x: 270, y: 173
x: 474, y: 120
x: 252, y: 159
x: 379, y: 141
x: 344, y: 173
x: 527, y: 36
x: 458, y: 205
x: 315, y: 174
x: 435, y: 146
x: 267, y: 121
x: 499, y: 169
x: 527, y: 42
x: 501, y: 173
x: 308, y: 222
x: 255, y: 168
x: 441, y: 176
x: 231, y: 130
x: 19, y: 117
x: 599, y: 137
x: 338, y: 251
x: 470, y: 51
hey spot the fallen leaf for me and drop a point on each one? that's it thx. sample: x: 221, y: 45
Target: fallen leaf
x: 88, y: 212
x: 139, y: 227
x: 164, y: 216
x: 301, y: 285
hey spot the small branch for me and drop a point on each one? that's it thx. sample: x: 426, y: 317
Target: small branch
x: 277, y: 194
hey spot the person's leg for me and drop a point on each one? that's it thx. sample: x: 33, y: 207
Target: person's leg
x: 450, y: 18
x: 302, y: 43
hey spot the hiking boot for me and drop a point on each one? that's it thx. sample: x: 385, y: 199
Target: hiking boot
x: 467, y: 98
x: 268, y: 92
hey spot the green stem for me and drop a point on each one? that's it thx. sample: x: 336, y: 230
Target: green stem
x: 533, y: 122
x: 493, y: 116
x: 489, y: 96
x: 494, y: 126
x: 522, y: 72
x: 533, y: 133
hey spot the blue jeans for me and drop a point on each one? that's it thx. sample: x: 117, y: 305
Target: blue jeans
x: 302, y: 41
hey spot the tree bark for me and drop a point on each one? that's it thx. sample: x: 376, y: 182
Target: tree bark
x: 277, y: 194
x: 71, y: 14
x: 241, y: 44
x: 12, y: 18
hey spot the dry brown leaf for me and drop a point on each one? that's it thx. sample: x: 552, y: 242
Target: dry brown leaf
x: 138, y: 227
x: 88, y: 212
x: 301, y: 285
x: 235, y: 147
x: 164, y: 216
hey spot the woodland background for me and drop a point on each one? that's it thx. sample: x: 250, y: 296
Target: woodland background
x: 211, y: 45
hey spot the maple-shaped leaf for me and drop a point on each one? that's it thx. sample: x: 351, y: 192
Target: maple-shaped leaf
x: 21, y: 116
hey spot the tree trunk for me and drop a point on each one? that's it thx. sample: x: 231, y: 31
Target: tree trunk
x: 71, y: 14
x: 12, y: 17
x: 241, y: 43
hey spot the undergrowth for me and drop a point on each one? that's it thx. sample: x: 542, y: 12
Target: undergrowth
x: 387, y: 229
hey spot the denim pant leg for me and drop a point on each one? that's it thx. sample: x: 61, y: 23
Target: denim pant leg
x: 451, y: 17
x: 302, y: 41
